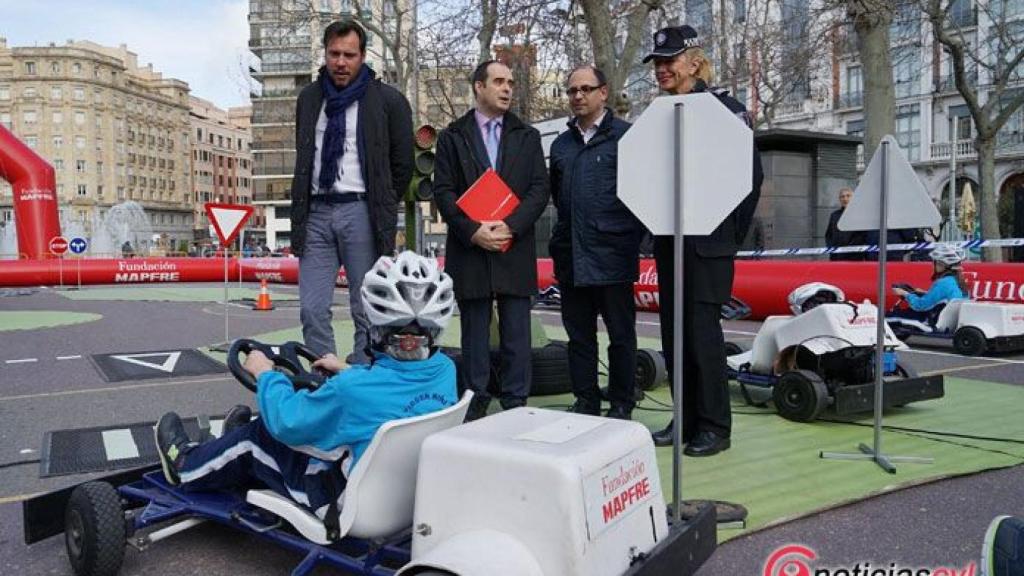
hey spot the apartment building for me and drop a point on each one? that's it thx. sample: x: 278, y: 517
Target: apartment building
x: 114, y: 132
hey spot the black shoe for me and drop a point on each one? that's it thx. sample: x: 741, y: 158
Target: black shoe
x: 665, y: 436
x: 478, y: 407
x: 706, y: 444
x: 619, y: 413
x: 171, y: 442
x: 512, y: 403
x: 238, y: 416
x: 1003, y: 548
x: 584, y: 407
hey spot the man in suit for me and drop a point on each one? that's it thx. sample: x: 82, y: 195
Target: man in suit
x: 682, y: 67
x: 836, y: 237
x: 354, y: 154
x: 595, y: 246
x: 483, y: 269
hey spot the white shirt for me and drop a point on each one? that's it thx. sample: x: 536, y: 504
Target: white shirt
x: 350, y: 177
x: 589, y: 132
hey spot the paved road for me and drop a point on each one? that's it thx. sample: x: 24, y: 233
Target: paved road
x: 937, y: 523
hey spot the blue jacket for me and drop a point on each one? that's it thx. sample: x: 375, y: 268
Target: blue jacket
x: 346, y: 411
x: 942, y: 290
x: 596, y: 239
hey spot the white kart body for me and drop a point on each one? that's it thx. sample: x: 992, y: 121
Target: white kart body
x: 534, y: 492
x: 826, y: 328
x: 994, y: 319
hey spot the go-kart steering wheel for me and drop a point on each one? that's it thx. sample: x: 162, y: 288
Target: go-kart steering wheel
x: 286, y: 361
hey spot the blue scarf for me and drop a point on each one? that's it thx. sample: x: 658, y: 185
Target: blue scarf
x: 337, y: 101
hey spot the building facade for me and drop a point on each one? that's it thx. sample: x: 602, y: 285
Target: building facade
x: 221, y: 163
x: 117, y: 135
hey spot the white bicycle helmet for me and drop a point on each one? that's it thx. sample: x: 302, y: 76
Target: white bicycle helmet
x: 407, y: 294
x: 948, y: 255
x: 808, y: 296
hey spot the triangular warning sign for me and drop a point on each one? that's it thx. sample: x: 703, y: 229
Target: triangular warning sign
x: 908, y: 203
x: 170, y: 360
x: 227, y: 219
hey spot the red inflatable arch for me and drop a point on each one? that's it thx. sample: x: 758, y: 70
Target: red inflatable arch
x: 35, y: 197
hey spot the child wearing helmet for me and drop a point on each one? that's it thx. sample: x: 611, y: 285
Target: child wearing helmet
x: 811, y: 295
x: 305, y: 443
x: 947, y: 281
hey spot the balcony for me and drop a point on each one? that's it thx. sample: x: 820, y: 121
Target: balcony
x: 1007, y: 144
x: 942, y: 150
x: 947, y: 85
x: 789, y: 108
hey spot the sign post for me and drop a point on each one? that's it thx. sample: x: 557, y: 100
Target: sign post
x: 889, y: 195
x: 227, y: 220
x: 58, y: 246
x: 78, y: 246
x: 662, y: 152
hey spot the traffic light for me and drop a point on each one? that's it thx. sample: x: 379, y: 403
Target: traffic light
x: 422, y: 185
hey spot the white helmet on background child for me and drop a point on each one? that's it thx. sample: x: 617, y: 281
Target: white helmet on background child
x: 403, y: 297
x: 808, y: 296
x: 948, y: 255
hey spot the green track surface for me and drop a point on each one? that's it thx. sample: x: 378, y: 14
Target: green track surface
x: 33, y: 319
x: 774, y: 468
x: 170, y: 293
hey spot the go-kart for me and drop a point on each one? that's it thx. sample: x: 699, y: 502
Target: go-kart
x: 972, y: 327
x: 579, y: 495
x: 825, y: 357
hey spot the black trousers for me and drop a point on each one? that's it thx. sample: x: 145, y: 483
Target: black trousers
x: 705, y: 383
x: 514, y: 332
x: 580, y: 307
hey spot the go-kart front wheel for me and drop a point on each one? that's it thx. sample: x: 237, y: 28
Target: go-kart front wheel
x: 969, y: 341
x: 94, y: 530
x: 800, y: 395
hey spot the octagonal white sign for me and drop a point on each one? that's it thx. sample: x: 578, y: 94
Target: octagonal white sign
x: 717, y: 153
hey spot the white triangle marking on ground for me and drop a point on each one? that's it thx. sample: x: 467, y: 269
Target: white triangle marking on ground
x: 167, y: 365
x: 228, y: 219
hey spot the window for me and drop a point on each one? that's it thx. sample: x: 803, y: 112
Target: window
x: 79, y: 118
x: 54, y: 67
x: 853, y: 89
x: 99, y: 168
x: 58, y: 142
x: 5, y: 119
x: 80, y: 142
x: 908, y: 130
x: 29, y: 116
x: 97, y: 97
x: 29, y: 92
x: 76, y: 69
x: 57, y: 117
x: 739, y: 10
x: 82, y: 190
x: 99, y: 190
x: 5, y: 93
x: 55, y: 93
x: 32, y: 141
x: 960, y: 120
x: 80, y: 166
x: 79, y: 94
x: 99, y: 121
x: 30, y: 68
x: 906, y: 62
x: 58, y: 164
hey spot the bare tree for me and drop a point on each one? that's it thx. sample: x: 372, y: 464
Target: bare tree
x: 991, y: 105
x: 871, y: 19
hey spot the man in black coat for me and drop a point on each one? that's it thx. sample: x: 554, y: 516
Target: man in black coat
x: 595, y: 246
x: 492, y: 260
x: 681, y: 67
x: 354, y: 154
x: 836, y: 237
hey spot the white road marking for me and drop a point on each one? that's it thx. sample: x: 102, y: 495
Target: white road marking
x: 112, y: 389
x: 26, y: 451
x: 119, y: 444
x: 73, y: 357
x: 21, y: 361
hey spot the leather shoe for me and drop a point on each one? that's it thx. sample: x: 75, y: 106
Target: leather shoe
x: 583, y: 407
x: 706, y: 444
x: 619, y: 413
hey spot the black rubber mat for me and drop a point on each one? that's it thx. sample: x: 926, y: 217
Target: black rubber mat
x: 155, y: 364
x: 102, y: 448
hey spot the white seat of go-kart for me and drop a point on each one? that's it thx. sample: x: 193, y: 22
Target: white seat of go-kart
x: 379, y: 496
x: 764, y: 350
x: 949, y: 318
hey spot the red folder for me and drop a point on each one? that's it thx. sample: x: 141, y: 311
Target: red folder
x: 489, y: 198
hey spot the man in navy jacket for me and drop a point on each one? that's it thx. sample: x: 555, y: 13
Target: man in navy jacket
x: 595, y: 246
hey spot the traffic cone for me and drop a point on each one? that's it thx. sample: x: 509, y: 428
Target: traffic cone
x: 263, y: 301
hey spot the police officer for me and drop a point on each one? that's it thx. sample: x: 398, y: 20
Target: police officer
x: 682, y: 67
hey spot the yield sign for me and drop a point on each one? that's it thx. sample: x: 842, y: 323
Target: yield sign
x: 170, y: 359
x: 227, y: 219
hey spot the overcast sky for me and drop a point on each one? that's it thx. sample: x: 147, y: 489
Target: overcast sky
x: 203, y: 42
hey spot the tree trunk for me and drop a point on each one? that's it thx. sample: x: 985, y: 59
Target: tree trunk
x: 602, y: 39
x: 489, y: 23
x: 871, y: 18
x: 988, y: 204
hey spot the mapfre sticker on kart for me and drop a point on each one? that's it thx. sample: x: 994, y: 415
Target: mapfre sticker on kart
x: 615, y: 491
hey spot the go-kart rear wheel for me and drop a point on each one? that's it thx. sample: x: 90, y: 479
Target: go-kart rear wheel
x: 800, y: 395
x: 650, y: 369
x: 94, y: 530
x: 969, y: 341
